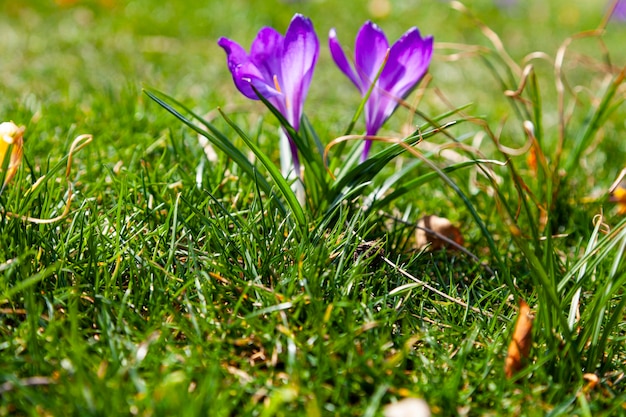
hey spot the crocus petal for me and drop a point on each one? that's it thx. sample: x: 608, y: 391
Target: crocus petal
x: 341, y: 60
x: 619, y: 12
x: 408, y: 61
x: 406, y: 65
x: 300, y: 52
x: 369, y: 53
x: 247, y: 75
x: 377, y: 109
x: 235, y: 54
x: 265, y: 53
x: 11, y: 135
x: 244, y: 72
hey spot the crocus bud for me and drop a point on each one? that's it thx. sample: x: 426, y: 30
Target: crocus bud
x: 11, y: 137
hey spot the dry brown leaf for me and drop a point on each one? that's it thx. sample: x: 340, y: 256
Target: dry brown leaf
x: 592, y: 379
x: 531, y: 159
x: 437, y: 233
x: 519, y: 348
x: 11, y: 137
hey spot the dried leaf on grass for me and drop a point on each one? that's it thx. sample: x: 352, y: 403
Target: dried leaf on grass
x: 592, y: 381
x: 531, y: 158
x: 519, y: 348
x: 437, y: 233
x: 408, y: 407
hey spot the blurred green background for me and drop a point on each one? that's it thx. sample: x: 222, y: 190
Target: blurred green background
x: 69, y: 54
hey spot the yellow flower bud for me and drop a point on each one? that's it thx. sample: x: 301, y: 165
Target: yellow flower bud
x: 11, y: 137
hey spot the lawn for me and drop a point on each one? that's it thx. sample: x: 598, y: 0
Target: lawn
x: 154, y: 261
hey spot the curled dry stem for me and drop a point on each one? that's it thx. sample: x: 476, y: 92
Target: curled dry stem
x: 517, y: 94
x: 79, y: 143
x: 347, y: 138
x: 604, y: 226
x: 465, y: 51
x: 489, y: 34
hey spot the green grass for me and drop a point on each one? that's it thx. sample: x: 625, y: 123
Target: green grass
x: 179, y: 286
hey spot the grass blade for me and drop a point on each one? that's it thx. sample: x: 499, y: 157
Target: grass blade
x: 216, y: 137
x: 276, y: 175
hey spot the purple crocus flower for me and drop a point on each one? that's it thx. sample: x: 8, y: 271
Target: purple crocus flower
x: 407, y: 62
x: 279, y: 67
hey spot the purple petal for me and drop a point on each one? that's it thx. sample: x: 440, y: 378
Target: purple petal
x: 366, y: 150
x: 408, y: 61
x: 244, y: 72
x: 265, y: 53
x: 340, y: 59
x: 248, y: 74
x: 619, y: 12
x: 370, y: 50
x: 377, y: 109
x: 300, y: 52
x: 235, y: 54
